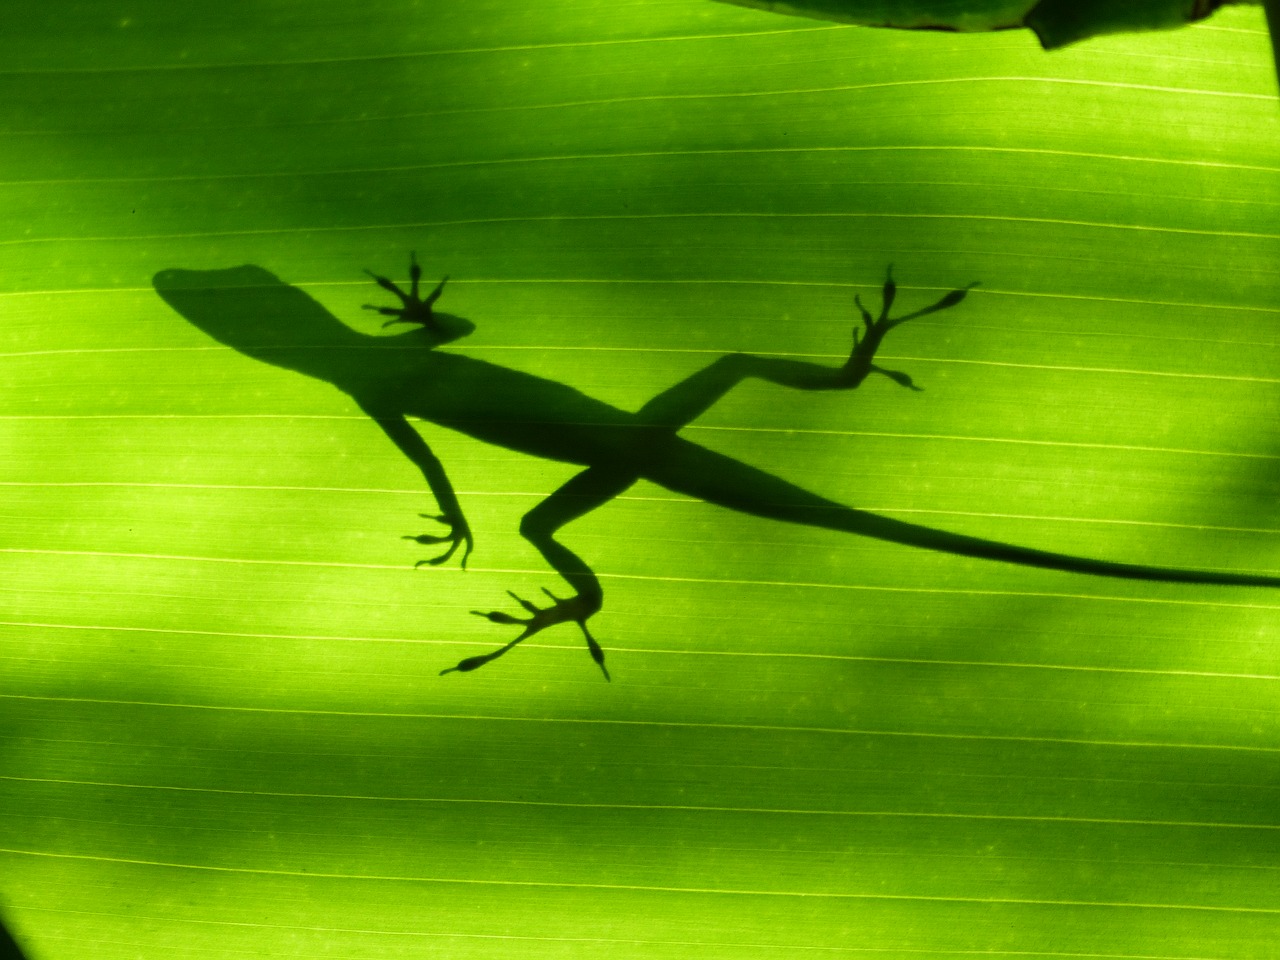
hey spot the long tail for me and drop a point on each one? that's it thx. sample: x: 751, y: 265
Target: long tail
x: 694, y: 470
x: 914, y: 535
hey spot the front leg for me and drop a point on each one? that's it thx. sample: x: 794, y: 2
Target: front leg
x: 592, y: 488
x: 411, y: 444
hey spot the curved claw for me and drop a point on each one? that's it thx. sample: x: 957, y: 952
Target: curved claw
x: 889, y: 292
x: 397, y: 316
x: 470, y: 663
x: 388, y: 285
x: 415, y: 274
x: 497, y: 616
x: 413, y: 309
x: 597, y: 653
x: 459, y: 535
x: 436, y: 561
x: 434, y: 295
x: 859, y: 365
x: 898, y: 377
x: 562, y: 610
x: 866, y: 316
x: 530, y: 607
x: 946, y: 302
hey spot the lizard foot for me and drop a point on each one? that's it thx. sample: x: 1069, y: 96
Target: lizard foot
x: 413, y: 308
x: 562, y: 610
x: 867, y: 341
x: 459, y: 535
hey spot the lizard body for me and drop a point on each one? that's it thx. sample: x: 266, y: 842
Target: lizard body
x: 394, y: 378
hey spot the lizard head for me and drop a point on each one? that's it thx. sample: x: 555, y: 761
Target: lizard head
x: 260, y: 316
x: 447, y: 327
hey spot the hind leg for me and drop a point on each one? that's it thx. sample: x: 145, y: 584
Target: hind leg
x: 689, y: 399
x: 590, y: 489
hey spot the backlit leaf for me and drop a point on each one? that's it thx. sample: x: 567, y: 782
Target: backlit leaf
x: 223, y: 732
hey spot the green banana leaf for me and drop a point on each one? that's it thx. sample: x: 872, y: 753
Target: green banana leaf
x: 223, y: 728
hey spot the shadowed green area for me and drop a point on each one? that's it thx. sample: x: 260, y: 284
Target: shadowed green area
x: 222, y: 733
x: 9, y: 949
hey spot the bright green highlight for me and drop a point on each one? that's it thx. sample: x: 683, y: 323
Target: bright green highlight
x: 222, y: 732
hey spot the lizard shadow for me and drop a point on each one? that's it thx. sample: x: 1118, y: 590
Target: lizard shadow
x: 395, y: 377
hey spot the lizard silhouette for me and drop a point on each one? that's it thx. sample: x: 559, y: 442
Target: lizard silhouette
x: 393, y: 378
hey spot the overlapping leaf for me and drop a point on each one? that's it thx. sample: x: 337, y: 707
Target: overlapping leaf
x: 1055, y: 22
